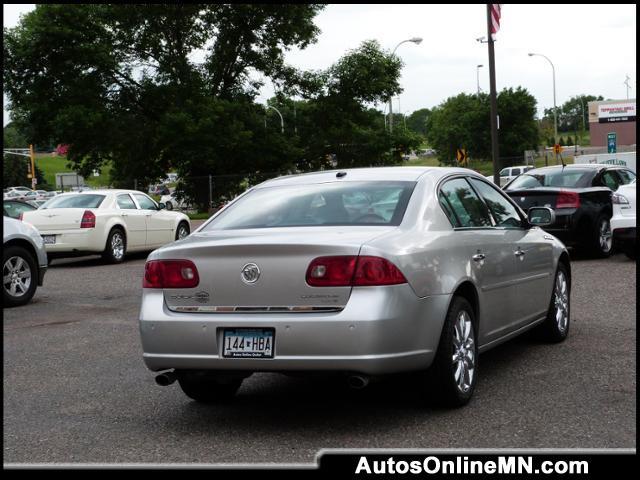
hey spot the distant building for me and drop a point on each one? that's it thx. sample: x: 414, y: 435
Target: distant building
x: 617, y: 116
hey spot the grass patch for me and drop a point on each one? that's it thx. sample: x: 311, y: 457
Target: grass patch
x: 199, y: 216
x: 50, y: 165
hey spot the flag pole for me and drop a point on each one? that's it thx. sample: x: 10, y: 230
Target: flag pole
x: 495, y: 154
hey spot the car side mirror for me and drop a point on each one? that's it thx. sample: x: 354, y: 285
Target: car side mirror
x: 541, y: 216
x: 161, y: 206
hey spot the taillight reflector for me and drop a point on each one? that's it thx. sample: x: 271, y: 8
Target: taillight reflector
x: 567, y: 199
x: 353, y: 271
x: 88, y: 219
x: 170, y: 274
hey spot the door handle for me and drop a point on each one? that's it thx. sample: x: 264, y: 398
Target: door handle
x: 478, y: 256
x: 124, y: 214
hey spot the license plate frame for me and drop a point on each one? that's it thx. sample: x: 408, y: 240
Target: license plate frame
x: 239, y: 342
x: 49, y: 239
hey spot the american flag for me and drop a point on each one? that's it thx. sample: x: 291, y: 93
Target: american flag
x: 495, y: 19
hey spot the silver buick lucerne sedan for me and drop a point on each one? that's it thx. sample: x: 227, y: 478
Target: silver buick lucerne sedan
x: 364, y: 272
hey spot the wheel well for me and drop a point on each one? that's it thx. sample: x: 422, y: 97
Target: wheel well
x: 468, y: 291
x: 564, y: 260
x: 26, y: 245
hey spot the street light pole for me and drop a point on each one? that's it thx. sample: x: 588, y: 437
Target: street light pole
x: 281, y: 119
x: 555, y: 113
x: 478, y: 77
x: 417, y: 41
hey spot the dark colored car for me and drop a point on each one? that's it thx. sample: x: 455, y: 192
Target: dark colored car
x: 581, y: 198
x: 13, y: 208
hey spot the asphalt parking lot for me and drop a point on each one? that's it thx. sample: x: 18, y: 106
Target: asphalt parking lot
x: 76, y: 389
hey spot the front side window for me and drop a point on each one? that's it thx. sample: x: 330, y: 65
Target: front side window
x: 145, y: 202
x: 466, y: 206
x: 504, y: 213
x: 335, y: 203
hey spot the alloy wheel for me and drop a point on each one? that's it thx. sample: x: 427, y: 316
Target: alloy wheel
x: 464, y: 356
x: 561, y: 302
x: 182, y: 232
x: 117, y: 246
x: 16, y: 276
x: 605, y: 237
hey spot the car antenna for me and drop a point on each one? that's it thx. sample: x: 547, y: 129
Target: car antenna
x: 562, y: 160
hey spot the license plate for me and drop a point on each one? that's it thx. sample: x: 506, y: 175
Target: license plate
x: 248, y: 343
x: 49, y: 239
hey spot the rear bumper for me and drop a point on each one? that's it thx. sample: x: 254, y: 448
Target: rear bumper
x: 381, y: 330
x: 75, y: 240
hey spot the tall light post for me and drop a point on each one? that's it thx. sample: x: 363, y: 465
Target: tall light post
x: 417, y: 41
x: 478, y: 77
x: 278, y: 112
x: 555, y: 113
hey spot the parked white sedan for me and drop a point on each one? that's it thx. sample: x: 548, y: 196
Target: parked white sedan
x: 623, y: 222
x: 109, y: 222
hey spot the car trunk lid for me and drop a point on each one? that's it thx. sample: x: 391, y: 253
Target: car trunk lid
x: 55, y: 219
x: 274, y: 262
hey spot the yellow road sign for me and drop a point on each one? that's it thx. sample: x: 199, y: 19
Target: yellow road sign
x: 461, y: 156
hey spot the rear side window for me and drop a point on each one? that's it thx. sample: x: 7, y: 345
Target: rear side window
x: 467, y: 208
x: 515, y: 171
x: 125, y: 202
x: 611, y: 180
x: 75, y: 201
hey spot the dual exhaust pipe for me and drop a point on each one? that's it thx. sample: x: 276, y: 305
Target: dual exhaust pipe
x: 357, y: 382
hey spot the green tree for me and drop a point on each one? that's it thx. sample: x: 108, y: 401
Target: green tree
x: 14, y: 173
x: 463, y: 121
x: 417, y: 121
x: 13, y: 138
x: 118, y: 83
x: 573, y: 112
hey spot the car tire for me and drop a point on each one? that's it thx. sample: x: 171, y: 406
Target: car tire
x: 182, y: 230
x: 555, y: 327
x: 19, y: 266
x: 205, y: 388
x: 452, y: 376
x: 168, y: 206
x: 116, y: 247
x: 601, y: 237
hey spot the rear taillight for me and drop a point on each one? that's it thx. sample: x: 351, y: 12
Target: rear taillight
x: 619, y: 199
x: 353, y: 271
x: 88, y: 219
x: 568, y: 199
x: 170, y: 274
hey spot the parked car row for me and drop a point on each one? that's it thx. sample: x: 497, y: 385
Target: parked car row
x: 582, y: 197
x: 107, y: 222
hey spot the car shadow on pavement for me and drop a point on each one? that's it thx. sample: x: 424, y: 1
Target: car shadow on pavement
x: 282, y: 403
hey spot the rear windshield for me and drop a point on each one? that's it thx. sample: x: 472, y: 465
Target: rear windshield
x: 75, y: 201
x: 566, y: 177
x: 344, y: 203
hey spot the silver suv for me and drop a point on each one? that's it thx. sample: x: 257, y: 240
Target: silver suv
x: 24, y: 262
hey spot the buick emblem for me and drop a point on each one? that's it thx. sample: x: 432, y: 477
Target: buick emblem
x: 250, y: 273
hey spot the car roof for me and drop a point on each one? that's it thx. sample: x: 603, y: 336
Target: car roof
x: 104, y: 191
x: 366, y: 174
